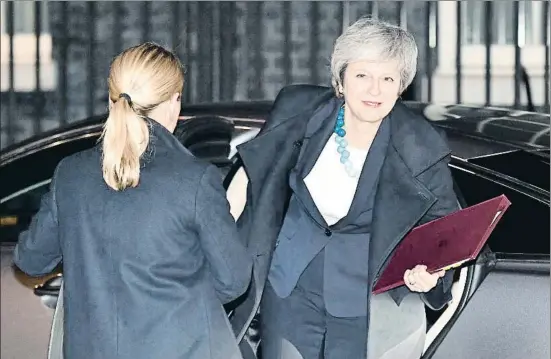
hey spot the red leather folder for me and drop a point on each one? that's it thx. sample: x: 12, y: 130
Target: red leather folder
x: 443, y: 243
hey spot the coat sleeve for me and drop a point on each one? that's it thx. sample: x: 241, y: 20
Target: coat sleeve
x: 38, y: 250
x: 229, y: 262
x: 440, y: 183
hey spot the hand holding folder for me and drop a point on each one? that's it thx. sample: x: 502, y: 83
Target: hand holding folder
x: 444, y: 243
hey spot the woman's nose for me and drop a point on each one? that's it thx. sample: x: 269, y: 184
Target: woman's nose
x: 374, y: 88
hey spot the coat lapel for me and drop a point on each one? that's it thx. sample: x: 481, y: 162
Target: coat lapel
x: 318, y: 131
x: 397, y: 208
x: 401, y: 199
x: 369, y: 176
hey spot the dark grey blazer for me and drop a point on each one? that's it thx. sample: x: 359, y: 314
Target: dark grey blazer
x: 145, y: 270
x: 415, y: 186
x: 305, y: 233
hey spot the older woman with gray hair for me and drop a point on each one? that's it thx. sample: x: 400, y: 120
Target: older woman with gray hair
x: 336, y: 179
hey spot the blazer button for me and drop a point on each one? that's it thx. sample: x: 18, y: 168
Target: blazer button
x: 328, y: 232
x: 297, y: 144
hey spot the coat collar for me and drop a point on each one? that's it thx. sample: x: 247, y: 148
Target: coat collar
x: 291, y: 108
x: 160, y: 140
x: 416, y: 142
x: 160, y: 135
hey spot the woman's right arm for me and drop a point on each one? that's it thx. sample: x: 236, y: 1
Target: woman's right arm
x: 229, y: 262
x: 38, y: 251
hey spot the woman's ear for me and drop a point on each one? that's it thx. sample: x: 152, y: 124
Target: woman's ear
x: 175, y: 100
x: 175, y: 97
x: 110, y: 104
x: 175, y: 104
x: 340, y: 89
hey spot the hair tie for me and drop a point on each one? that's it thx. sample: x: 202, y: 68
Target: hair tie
x: 127, y: 97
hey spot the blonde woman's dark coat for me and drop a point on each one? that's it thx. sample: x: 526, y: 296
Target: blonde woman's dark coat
x: 146, y: 270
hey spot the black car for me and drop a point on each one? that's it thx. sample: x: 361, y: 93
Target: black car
x: 500, y: 306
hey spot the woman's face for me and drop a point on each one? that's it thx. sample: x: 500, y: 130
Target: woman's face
x: 371, y: 89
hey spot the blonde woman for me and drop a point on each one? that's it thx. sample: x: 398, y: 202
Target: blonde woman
x: 149, y: 248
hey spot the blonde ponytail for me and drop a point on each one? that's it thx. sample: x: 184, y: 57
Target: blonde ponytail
x: 151, y: 75
x: 125, y: 138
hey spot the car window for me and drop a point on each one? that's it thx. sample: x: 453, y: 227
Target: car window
x: 527, y: 166
x: 39, y: 166
x: 524, y: 228
x: 16, y: 212
x: 26, y: 179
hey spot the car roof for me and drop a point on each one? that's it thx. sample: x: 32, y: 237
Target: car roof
x: 472, y: 131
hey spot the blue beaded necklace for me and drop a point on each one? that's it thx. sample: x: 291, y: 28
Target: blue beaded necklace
x: 342, y: 144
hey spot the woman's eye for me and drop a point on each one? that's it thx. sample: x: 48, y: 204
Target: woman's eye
x: 360, y: 76
x: 389, y: 79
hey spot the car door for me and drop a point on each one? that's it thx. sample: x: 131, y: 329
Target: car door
x: 26, y: 311
x: 504, y: 309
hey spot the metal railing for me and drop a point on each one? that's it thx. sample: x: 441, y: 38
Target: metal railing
x: 229, y: 51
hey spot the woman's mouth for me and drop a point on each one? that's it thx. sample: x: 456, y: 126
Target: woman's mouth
x: 372, y: 104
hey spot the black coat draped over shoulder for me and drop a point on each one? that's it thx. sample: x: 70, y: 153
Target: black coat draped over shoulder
x: 145, y: 269
x: 415, y: 186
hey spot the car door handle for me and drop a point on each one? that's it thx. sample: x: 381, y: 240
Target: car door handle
x: 50, y: 287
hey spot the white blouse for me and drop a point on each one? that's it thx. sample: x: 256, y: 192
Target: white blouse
x: 330, y: 187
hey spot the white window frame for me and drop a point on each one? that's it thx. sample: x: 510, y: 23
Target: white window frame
x: 473, y: 69
x: 473, y: 57
x: 24, y: 57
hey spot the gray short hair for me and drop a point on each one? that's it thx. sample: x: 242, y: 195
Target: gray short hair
x: 374, y: 40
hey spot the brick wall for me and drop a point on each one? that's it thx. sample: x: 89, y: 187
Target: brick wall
x: 231, y: 50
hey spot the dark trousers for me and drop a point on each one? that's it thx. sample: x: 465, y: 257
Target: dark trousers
x: 300, y: 324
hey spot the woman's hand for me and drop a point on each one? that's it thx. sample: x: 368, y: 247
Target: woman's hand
x: 419, y: 280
